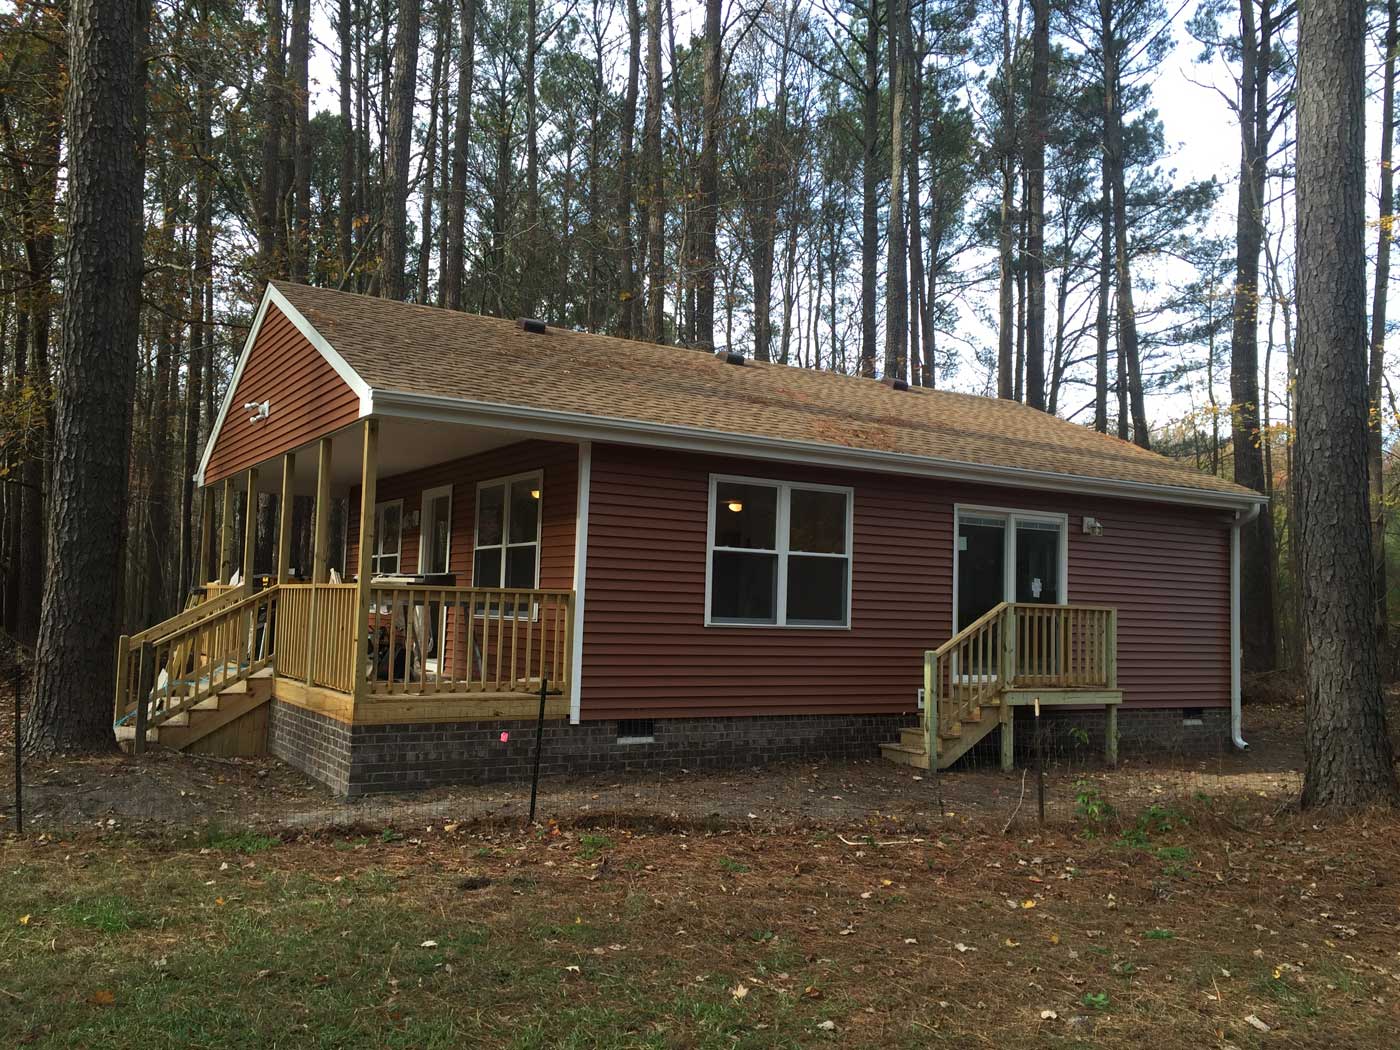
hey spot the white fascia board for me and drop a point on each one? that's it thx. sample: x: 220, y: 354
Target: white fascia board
x: 582, y: 426
x: 272, y: 297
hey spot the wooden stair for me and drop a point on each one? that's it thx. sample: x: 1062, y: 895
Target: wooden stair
x: 232, y: 723
x: 1016, y: 655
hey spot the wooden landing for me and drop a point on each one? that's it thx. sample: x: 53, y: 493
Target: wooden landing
x: 232, y: 724
x: 973, y: 727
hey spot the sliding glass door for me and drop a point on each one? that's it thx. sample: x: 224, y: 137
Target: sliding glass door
x: 1007, y: 556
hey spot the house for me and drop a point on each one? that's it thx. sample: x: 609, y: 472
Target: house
x: 683, y: 558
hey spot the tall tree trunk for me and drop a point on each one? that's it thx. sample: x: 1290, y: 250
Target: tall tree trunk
x: 346, y: 215
x: 705, y: 260
x: 919, y: 342
x: 1006, y: 287
x: 628, y: 294
x: 656, y: 190
x: 299, y: 100
x: 1349, y: 760
x: 1035, y: 205
x: 1257, y: 540
x: 398, y: 150
x: 454, y: 267
x: 271, y: 242
x: 896, y: 248
x: 1101, y: 320
x: 529, y: 250
x: 870, y: 189
x: 1122, y: 271
x: 441, y: 46
x: 1375, y: 463
x: 105, y: 121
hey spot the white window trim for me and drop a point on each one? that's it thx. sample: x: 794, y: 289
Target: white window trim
x: 781, y: 538
x: 428, y: 496
x: 1011, y: 515
x: 533, y: 475
x: 376, y: 555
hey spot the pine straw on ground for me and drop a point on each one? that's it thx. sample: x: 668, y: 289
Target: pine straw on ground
x: 1195, y: 924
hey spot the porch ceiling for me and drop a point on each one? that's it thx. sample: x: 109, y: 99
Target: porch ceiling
x: 404, y: 445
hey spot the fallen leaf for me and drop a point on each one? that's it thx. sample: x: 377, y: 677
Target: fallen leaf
x: 103, y: 997
x: 24, y: 920
x: 740, y: 990
x: 1254, y: 1022
x: 1048, y: 1015
x: 428, y: 944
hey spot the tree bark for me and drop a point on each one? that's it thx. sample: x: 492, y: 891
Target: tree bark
x: 627, y: 120
x: 1349, y: 759
x: 705, y: 260
x: 1375, y: 462
x: 1035, y: 205
x: 347, y: 212
x: 870, y: 189
x: 271, y: 243
x: 656, y: 190
x: 441, y: 46
x: 105, y: 118
x: 1257, y: 540
x: 896, y: 248
x: 454, y: 267
x: 1101, y: 320
x: 1006, y: 277
x: 398, y: 150
x: 299, y: 100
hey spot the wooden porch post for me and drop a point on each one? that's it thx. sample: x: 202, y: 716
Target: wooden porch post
x: 369, y: 467
x: 250, y: 529
x: 320, y: 560
x: 206, y: 536
x: 284, y: 516
x: 1008, y: 737
x: 226, y: 533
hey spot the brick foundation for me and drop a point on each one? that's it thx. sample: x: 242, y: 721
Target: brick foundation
x: 366, y: 759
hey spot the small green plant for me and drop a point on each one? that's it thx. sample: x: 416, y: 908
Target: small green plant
x: 1159, y: 935
x: 390, y: 835
x: 215, y: 837
x: 732, y: 866
x: 591, y: 844
x: 1095, y: 1000
x: 1090, y: 806
x: 1079, y: 735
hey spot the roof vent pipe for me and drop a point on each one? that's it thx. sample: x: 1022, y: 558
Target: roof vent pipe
x: 731, y: 357
x: 895, y: 384
x: 533, y: 325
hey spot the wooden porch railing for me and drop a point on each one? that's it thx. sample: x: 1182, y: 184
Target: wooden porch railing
x: 462, y: 640
x: 1017, y: 645
x: 169, y: 668
x: 317, y: 634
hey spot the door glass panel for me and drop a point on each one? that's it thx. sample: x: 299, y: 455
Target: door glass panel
x: 981, y: 567
x: 1037, y: 562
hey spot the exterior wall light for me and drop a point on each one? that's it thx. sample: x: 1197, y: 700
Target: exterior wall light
x: 1092, y: 526
x: 260, y: 410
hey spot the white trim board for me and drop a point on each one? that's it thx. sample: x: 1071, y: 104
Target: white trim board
x: 272, y: 297
x: 585, y: 481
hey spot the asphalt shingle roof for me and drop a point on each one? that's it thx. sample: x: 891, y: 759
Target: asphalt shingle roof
x: 416, y: 349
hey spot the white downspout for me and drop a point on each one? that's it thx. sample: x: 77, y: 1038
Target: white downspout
x: 1242, y: 518
x: 585, y: 482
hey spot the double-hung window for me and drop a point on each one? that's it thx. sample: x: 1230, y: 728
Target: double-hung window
x: 388, y: 537
x: 780, y: 554
x: 508, y: 532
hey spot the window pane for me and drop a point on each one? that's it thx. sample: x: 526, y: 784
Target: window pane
x: 816, y: 590
x: 435, y: 529
x: 524, y: 510
x: 818, y: 522
x: 1037, y: 563
x: 520, y: 566
x: 486, y: 567
x: 490, y: 506
x: 386, y: 564
x: 746, y: 515
x: 390, y: 519
x: 744, y: 587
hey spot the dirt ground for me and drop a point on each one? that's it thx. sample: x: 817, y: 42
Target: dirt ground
x: 188, y: 791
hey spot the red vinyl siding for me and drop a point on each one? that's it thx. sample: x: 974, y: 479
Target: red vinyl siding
x: 647, y: 652
x: 309, y: 400
x: 559, y: 506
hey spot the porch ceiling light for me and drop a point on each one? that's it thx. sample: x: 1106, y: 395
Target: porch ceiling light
x: 735, y: 505
x: 534, y: 493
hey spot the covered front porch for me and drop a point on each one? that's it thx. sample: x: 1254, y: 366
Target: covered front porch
x: 439, y: 588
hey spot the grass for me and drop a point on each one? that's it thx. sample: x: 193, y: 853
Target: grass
x: 386, y: 942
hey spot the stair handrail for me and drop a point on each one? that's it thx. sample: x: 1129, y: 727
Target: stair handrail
x: 933, y: 676
x: 234, y: 638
